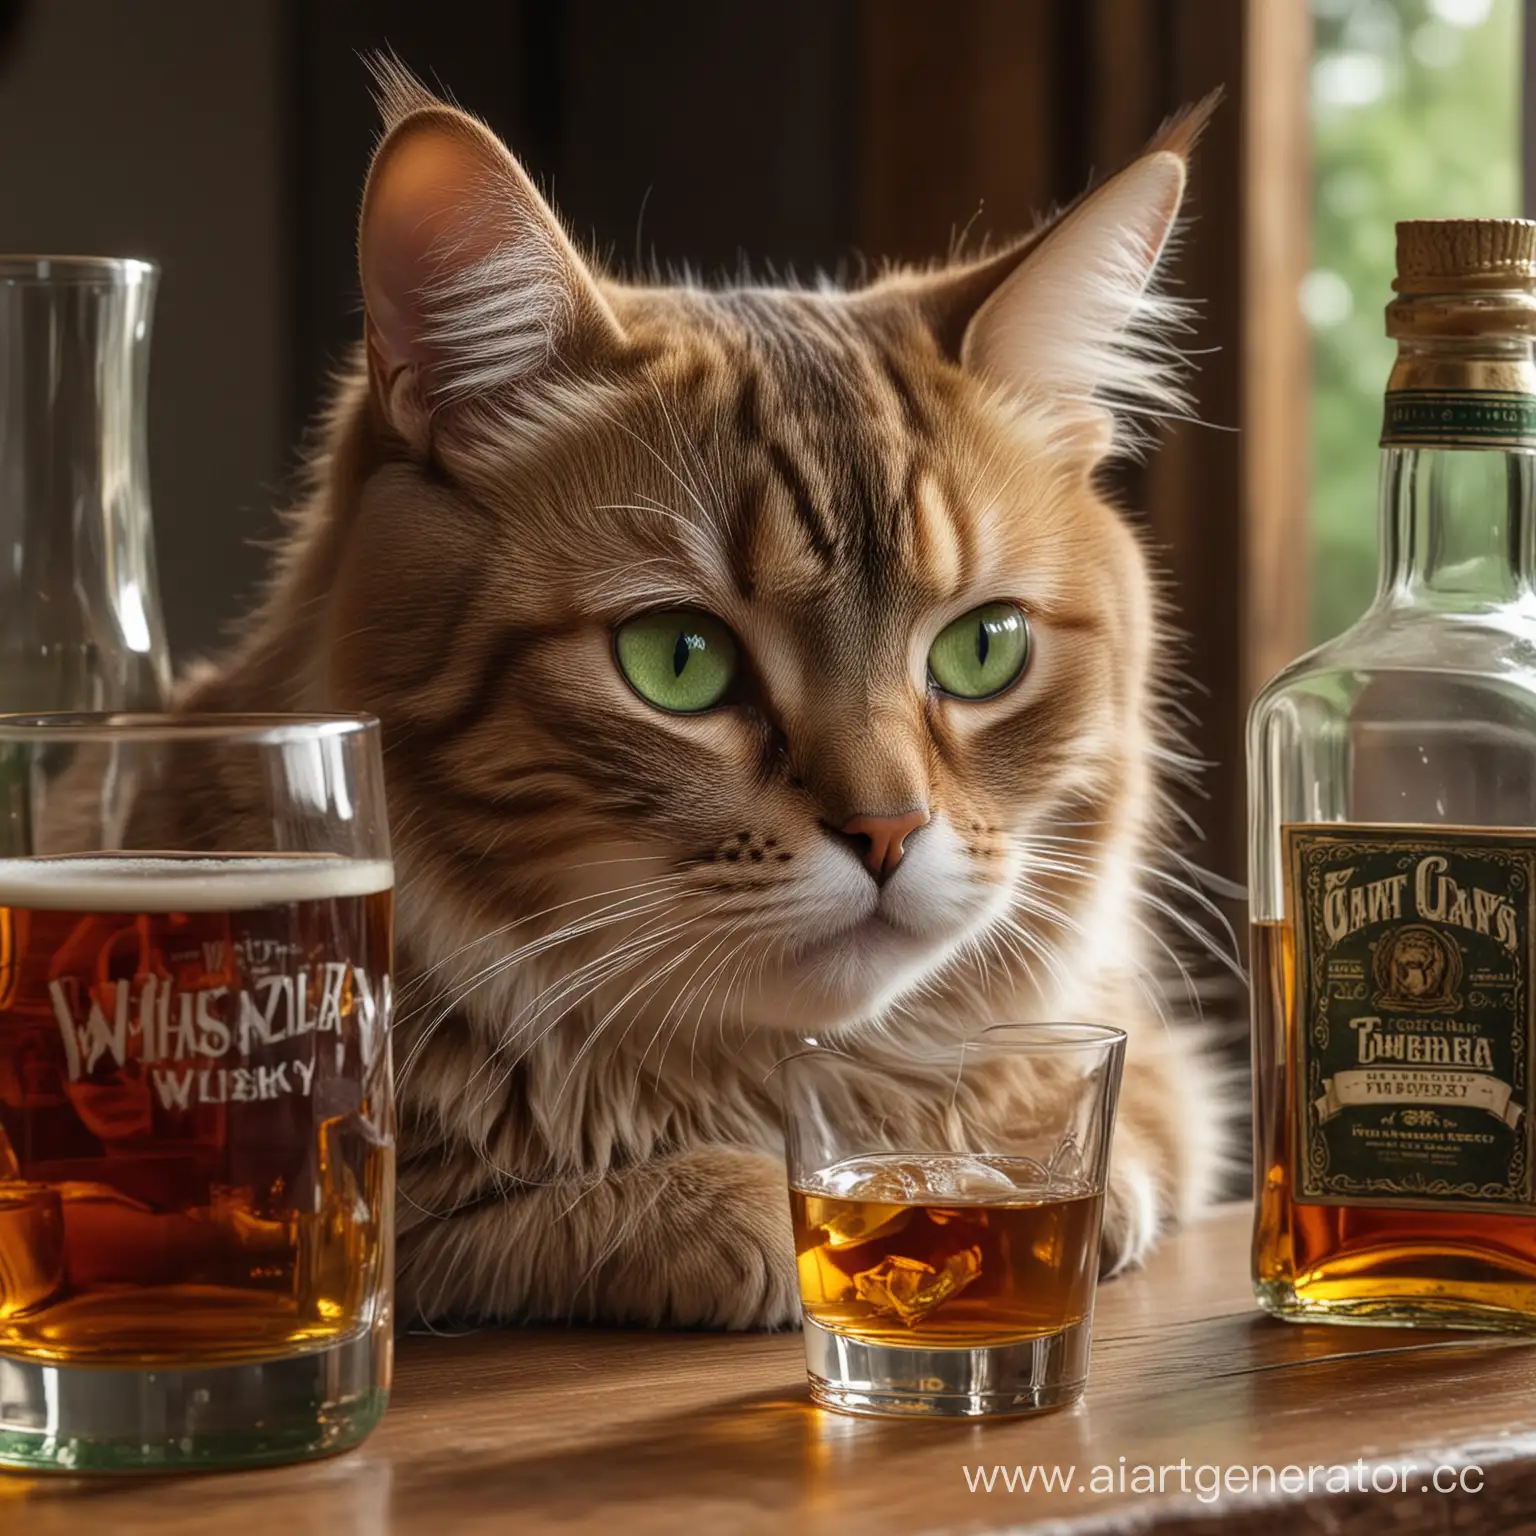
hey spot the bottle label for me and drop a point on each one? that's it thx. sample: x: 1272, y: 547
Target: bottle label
x: 1459, y: 418
x: 1413, y: 1026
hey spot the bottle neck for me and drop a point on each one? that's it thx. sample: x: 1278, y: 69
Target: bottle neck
x: 1458, y: 483
x: 1458, y: 526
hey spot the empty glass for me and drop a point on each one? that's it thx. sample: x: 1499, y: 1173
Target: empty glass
x: 80, y: 624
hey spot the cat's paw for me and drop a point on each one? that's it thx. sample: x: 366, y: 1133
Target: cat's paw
x: 719, y: 1253
x: 1132, y: 1213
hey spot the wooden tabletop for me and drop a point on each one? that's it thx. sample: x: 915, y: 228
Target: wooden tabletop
x: 638, y: 1433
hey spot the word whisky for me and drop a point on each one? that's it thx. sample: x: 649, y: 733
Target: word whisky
x: 1392, y: 776
x: 945, y: 1252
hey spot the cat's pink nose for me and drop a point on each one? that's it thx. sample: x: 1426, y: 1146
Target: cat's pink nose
x: 881, y: 839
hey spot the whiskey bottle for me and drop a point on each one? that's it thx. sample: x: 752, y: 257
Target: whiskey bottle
x: 1392, y: 821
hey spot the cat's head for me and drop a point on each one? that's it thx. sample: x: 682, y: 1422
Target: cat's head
x: 752, y: 654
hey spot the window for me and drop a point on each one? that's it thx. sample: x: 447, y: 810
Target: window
x: 1415, y: 114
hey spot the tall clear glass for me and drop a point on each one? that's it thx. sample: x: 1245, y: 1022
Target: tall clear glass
x: 947, y: 1216
x: 196, y: 1116
x: 80, y: 624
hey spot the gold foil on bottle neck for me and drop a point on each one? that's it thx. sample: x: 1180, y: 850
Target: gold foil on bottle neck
x: 1486, y: 375
x: 1465, y: 255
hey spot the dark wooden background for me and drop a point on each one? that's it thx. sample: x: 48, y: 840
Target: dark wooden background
x: 229, y: 141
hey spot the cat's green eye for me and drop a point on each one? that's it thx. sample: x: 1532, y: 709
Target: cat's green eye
x: 679, y: 660
x: 982, y: 652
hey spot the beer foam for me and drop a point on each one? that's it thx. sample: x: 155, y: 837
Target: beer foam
x: 167, y: 883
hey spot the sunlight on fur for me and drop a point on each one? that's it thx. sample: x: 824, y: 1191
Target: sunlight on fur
x: 615, y: 917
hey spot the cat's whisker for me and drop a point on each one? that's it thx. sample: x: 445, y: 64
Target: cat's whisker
x: 519, y: 922
x: 1037, y: 901
x: 645, y: 984
x: 1165, y: 876
x: 624, y: 858
x: 1040, y: 948
x: 680, y: 999
x: 686, y: 990
x: 449, y: 1007
x: 1028, y: 951
x: 1190, y: 985
x: 1197, y: 897
x: 730, y: 959
x: 702, y: 1007
x: 1208, y: 878
x: 678, y: 1009
x: 755, y: 973
x: 684, y: 449
x: 644, y: 987
x: 652, y: 511
x: 636, y: 907
x: 1193, y: 930
x: 652, y: 940
x: 571, y: 989
x: 650, y: 448
x: 525, y: 1031
x: 1090, y: 865
x: 1058, y: 864
x: 1010, y: 946
x: 744, y: 959
x: 1183, y: 817
x: 644, y: 894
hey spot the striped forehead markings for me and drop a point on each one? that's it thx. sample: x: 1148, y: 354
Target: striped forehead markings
x: 813, y: 525
x: 864, y: 510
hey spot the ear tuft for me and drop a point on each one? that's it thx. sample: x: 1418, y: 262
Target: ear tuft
x: 1182, y: 133
x: 397, y: 92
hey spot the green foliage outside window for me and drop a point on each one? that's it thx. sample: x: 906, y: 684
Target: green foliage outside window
x: 1415, y: 114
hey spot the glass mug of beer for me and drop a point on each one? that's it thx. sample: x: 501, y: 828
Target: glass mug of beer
x: 196, y: 1116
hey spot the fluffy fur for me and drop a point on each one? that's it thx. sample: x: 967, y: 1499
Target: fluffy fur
x: 613, y: 921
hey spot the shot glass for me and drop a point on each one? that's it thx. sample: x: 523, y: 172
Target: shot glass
x: 947, y: 1214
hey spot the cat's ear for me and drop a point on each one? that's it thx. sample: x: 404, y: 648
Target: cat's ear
x: 1073, y: 315
x: 470, y: 285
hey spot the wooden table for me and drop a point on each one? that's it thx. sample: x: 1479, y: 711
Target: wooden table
x: 636, y: 1433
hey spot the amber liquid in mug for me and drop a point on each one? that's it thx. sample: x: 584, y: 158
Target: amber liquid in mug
x: 194, y: 1165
